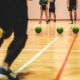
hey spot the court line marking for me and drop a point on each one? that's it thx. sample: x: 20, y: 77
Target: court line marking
x: 65, y: 60
x: 68, y: 27
x: 37, y: 55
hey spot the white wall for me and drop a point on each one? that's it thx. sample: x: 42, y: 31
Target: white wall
x: 61, y: 9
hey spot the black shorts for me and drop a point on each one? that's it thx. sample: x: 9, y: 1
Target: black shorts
x: 43, y: 7
x: 13, y: 14
x: 71, y: 8
x: 40, y: 2
x: 52, y: 10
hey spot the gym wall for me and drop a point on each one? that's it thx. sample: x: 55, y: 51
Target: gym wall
x: 61, y: 9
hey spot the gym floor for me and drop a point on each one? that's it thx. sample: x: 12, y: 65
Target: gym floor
x: 48, y: 55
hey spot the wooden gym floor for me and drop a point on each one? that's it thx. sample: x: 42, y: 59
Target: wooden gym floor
x: 48, y: 55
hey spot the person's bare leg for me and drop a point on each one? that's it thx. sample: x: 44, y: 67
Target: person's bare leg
x: 5, y: 65
x: 71, y: 17
x: 46, y: 13
x: 75, y: 16
x: 49, y: 16
x: 54, y: 16
x: 41, y: 14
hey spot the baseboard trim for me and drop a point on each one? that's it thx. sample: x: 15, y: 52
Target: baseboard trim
x: 52, y: 19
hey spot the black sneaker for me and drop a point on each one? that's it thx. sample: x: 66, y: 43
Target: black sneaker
x: 8, y: 74
x: 49, y: 20
x: 54, y: 20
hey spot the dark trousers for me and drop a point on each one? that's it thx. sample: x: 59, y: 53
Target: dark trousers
x: 13, y: 15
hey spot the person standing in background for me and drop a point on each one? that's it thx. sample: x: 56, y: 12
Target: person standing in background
x: 43, y: 7
x: 52, y: 10
x: 72, y: 5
